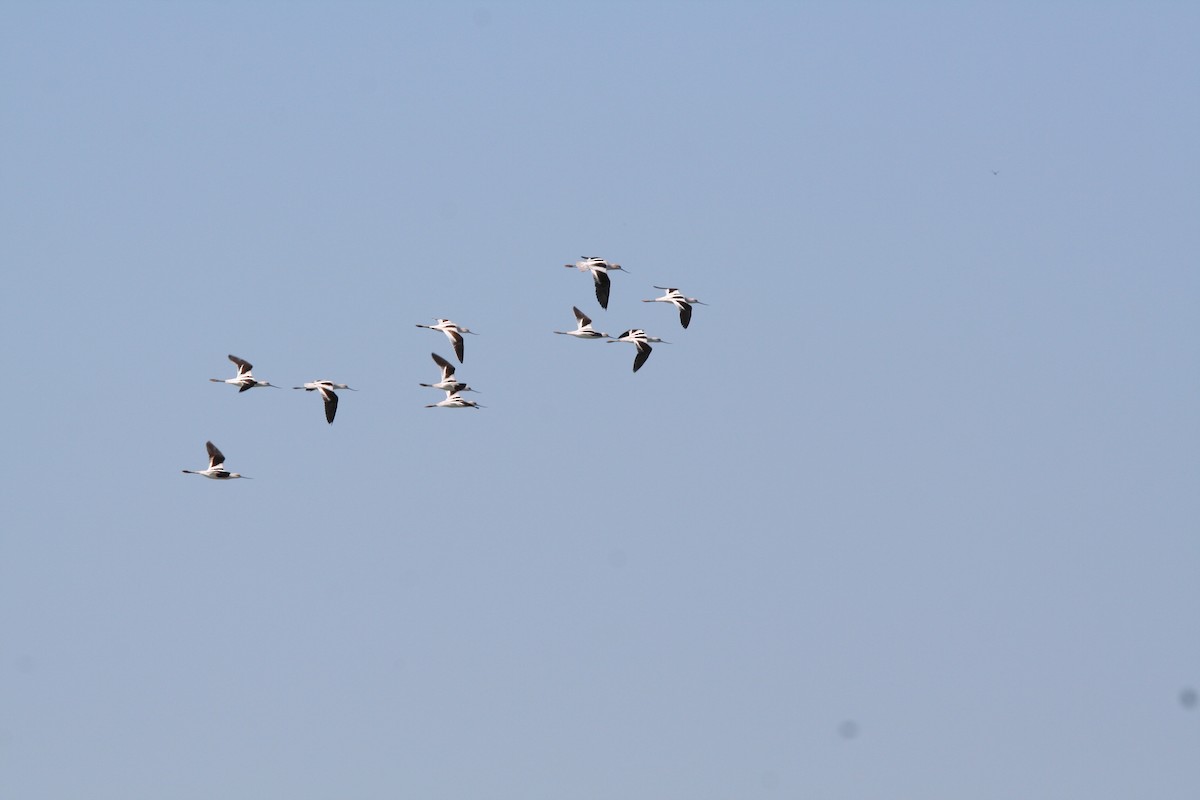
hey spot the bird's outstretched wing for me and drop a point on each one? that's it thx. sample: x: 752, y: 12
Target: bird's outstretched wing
x: 643, y: 352
x: 685, y: 313
x: 243, y: 365
x: 215, y: 457
x: 447, y: 367
x: 603, y: 284
x: 331, y: 400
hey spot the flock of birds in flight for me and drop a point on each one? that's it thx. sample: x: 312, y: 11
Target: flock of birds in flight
x: 454, y: 388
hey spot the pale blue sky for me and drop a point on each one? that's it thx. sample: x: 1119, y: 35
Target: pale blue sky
x: 927, y: 463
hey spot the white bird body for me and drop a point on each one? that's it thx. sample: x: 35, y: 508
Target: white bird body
x: 448, y: 384
x: 454, y: 400
x: 599, y: 269
x: 244, y: 379
x: 583, y: 327
x: 216, y: 466
x: 638, y: 338
x: 453, y: 333
x: 326, y: 388
x: 676, y: 298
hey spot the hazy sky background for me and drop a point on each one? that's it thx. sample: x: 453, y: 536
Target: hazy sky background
x: 910, y: 511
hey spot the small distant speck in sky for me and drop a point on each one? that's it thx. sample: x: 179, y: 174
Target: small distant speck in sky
x: 1188, y: 698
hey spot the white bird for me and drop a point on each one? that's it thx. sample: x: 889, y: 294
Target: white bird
x: 676, y: 298
x: 447, y: 384
x: 599, y: 269
x: 638, y: 337
x: 244, y: 379
x: 326, y: 388
x: 454, y: 400
x: 216, y: 466
x: 453, y: 332
x: 583, y: 327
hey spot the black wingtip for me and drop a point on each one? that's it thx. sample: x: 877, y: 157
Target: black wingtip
x: 643, y: 353
x: 602, y: 286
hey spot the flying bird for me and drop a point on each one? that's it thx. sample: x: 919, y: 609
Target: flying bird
x: 599, y: 269
x: 676, y: 298
x: 326, y: 388
x: 216, y: 466
x: 583, y: 327
x: 454, y: 400
x: 638, y: 338
x: 244, y: 379
x: 453, y: 332
x: 447, y: 384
